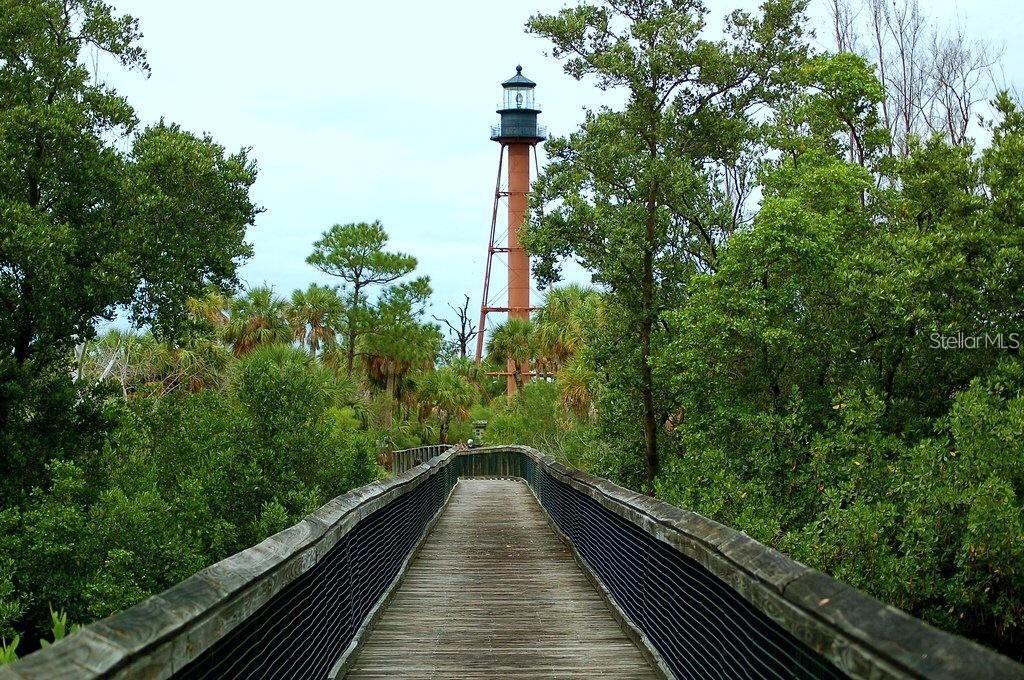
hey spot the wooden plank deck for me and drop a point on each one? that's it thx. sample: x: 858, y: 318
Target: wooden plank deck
x: 494, y: 593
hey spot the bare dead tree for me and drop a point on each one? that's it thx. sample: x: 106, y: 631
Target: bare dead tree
x: 844, y: 31
x: 878, y: 10
x: 844, y: 16
x: 960, y: 69
x: 934, y: 80
x: 464, y: 331
x: 908, y: 81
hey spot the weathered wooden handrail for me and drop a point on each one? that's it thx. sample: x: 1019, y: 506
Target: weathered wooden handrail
x: 405, y: 459
x: 298, y: 604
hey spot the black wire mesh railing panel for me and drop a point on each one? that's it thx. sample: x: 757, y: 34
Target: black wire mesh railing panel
x: 700, y: 626
x: 492, y: 464
x: 303, y: 629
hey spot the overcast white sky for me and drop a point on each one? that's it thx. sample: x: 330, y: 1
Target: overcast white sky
x: 380, y: 110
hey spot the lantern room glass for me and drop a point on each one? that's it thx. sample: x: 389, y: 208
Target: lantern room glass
x: 518, y: 98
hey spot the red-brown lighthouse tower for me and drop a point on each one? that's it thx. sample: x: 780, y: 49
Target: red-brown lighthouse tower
x: 519, y: 134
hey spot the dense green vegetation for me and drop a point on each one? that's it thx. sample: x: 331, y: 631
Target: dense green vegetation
x: 133, y: 458
x: 833, y: 368
x: 805, y: 323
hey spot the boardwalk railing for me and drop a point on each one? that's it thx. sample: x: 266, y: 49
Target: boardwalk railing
x: 293, y: 606
x: 701, y: 599
x: 709, y: 601
x: 405, y: 459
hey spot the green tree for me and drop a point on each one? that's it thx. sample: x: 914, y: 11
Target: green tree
x: 87, y: 227
x: 185, y: 480
x: 315, y: 316
x: 447, y: 394
x: 635, y: 195
x: 355, y: 253
x: 513, y: 341
x: 258, y: 318
x: 190, y: 209
x: 815, y: 407
x: 397, y: 339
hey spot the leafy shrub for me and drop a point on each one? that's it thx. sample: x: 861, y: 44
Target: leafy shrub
x: 534, y: 417
x: 185, y: 480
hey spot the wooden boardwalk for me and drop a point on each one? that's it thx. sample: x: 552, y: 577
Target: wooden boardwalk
x: 494, y: 593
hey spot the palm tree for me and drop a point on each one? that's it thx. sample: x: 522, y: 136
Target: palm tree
x: 143, y: 365
x: 562, y: 322
x: 394, y: 348
x: 315, y: 316
x: 199, y: 364
x: 334, y: 356
x: 212, y: 307
x: 513, y: 342
x: 574, y: 386
x: 473, y: 372
x: 257, y: 319
x: 447, y: 394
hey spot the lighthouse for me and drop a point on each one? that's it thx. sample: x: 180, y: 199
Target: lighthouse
x: 518, y: 133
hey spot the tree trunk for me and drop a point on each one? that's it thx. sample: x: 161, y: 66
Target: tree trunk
x: 23, y: 338
x: 351, y: 353
x: 650, y: 423
x: 390, y: 390
x: 26, y: 328
x: 351, y: 350
x: 5, y: 402
x: 517, y: 375
x: 443, y: 430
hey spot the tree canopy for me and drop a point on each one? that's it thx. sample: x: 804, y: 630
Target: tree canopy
x: 633, y: 195
x: 805, y: 319
x: 355, y: 254
x: 89, y: 228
